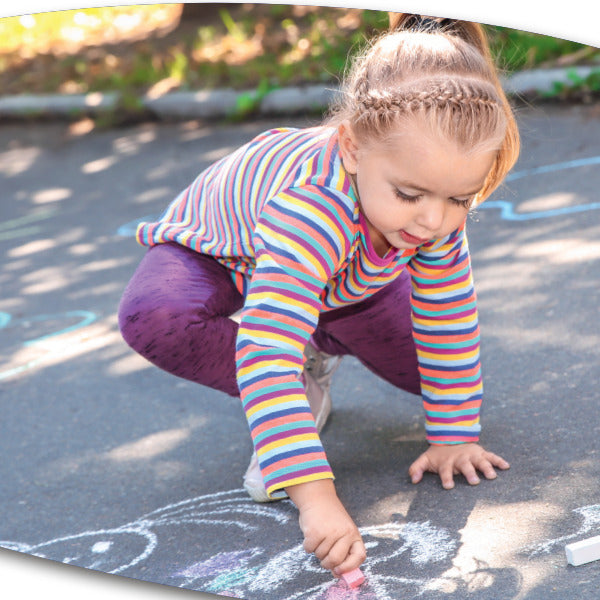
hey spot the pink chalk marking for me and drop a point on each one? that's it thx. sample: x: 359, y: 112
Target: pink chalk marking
x: 340, y: 591
x: 353, y: 578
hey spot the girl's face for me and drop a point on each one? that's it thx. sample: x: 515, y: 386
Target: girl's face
x: 417, y: 188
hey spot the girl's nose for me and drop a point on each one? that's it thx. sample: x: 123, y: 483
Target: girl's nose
x: 431, y: 215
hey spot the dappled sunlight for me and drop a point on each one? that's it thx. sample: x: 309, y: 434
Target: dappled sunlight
x: 561, y: 251
x: 32, y: 248
x: 493, y: 538
x: 148, y: 196
x: 552, y: 335
x: 94, y: 99
x: 82, y: 249
x: 131, y: 144
x: 71, y: 235
x: 98, y: 165
x: 520, y: 536
x: 55, y: 348
x: 548, y: 202
x: 111, y: 288
x: 16, y: 161
x: 150, y: 446
x: 505, y: 276
x: 51, y: 195
x: 71, y: 30
x: 194, y: 130
x: 162, y: 171
x: 14, y: 265
x: 100, y: 265
x: 81, y: 127
x: 44, y: 280
x: 214, y: 155
x: 128, y: 364
x: 512, y: 540
x: 149, y: 452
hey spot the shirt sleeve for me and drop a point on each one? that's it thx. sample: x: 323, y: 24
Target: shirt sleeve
x: 446, y: 333
x: 299, y: 243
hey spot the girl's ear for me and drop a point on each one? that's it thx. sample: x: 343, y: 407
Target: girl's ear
x: 348, y: 147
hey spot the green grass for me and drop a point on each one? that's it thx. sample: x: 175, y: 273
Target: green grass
x: 244, y: 46
x: 515, y: 50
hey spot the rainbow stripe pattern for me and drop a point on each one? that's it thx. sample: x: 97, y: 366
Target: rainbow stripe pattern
x: 281, y: 214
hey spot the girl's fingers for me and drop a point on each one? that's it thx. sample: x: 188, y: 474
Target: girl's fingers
x: 355, y: 557
x: 312, y: 543
x: 323, y: 550
x: 498, y: 461
x: 446, y: 475
x: 416, y: 473
x: 337, y: 554
x: 418, y: 468
x: 470, y: 474
x: 487, y: 468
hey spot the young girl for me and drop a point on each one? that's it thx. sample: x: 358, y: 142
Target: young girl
x: 347, y: 239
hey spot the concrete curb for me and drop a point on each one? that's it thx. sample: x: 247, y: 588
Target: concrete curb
x: 226, y: 102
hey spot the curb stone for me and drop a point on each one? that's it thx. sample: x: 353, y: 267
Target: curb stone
x: 224, y: 102
x: 543, y: 80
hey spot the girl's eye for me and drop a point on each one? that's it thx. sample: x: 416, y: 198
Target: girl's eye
x: 406, y: 197
x: 463, y: 202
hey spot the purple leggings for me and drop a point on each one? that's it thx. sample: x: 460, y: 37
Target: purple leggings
x: 175, y: 313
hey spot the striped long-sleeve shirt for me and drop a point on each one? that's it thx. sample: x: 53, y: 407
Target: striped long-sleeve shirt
x: 281, y: 214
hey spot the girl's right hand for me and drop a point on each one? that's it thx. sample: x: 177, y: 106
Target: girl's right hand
x: 328, y: 529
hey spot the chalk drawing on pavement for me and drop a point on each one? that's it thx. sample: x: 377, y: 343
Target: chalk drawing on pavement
x: 24, y: 226
x: 46, y: 327
x: 561, y: 166
x: 251, y: 570
x: 507, y: 209
x: 590, y: 516
x: 129, y: 229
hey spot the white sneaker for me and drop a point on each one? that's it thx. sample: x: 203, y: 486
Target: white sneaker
x: 319, y: 368
x: 318, y: 371
x: 255, y: 485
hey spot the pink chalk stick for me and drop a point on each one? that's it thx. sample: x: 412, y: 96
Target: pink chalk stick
x: 353, y: 578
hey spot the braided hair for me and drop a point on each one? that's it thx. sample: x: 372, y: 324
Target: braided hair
x: 439, y: 70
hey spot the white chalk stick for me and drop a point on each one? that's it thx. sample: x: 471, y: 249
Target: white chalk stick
x: 584, y: 551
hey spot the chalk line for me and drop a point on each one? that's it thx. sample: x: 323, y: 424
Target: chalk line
x: 507, y: 210
x: 239, y: 572
x: 569, y: 164
x: 85, y: 318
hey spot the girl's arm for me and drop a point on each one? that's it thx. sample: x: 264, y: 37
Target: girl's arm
x: 446, y: 333
x: 296, y: 255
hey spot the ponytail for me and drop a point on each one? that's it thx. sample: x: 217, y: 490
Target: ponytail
x: 471, y: 32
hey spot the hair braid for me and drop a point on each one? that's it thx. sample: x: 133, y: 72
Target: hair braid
x: 441, y: 74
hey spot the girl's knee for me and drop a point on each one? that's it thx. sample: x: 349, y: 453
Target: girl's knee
x: 131, y: 320
x: 143, y: 319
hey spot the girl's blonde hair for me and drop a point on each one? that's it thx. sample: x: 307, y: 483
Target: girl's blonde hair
x: 437, y: 69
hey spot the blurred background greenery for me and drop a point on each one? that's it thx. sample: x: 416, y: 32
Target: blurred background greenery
x: 153, y: 49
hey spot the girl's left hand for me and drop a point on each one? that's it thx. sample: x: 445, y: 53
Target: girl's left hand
x: 450, y: 460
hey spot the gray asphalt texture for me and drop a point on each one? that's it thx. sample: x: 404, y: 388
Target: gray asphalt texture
x: 112, y: 464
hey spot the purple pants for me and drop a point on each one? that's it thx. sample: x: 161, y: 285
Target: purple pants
x: 175, y: 313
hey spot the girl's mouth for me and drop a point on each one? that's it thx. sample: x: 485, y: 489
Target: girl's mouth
x: 411, y: 239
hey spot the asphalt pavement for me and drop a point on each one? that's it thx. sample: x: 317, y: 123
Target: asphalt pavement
x: 114, y: 465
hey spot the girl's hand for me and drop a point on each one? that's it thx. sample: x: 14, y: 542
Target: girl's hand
x: 450, y: 460
x: 328, y: 530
